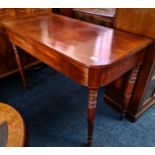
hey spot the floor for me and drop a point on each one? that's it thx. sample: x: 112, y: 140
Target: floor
x: 54, y: 110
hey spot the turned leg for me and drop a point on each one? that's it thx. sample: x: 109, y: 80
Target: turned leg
x: 20, y: 67
x: 129, y: 89
x: 92, y: 100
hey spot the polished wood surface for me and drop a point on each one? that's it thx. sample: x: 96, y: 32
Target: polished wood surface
x: 8, y: 64
x: 91, y: 55
x: 96, y: 47
x: 15, y: 123
x: 92, y: 102
x: 139, y: 21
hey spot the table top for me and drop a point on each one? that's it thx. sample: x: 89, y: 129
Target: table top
x: 88, y: 44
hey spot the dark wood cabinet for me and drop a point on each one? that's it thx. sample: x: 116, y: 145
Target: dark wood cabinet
x: 7, y: 59
x: 100, y: 16
x: 64, y: 11
x: 142, y: 22
x: 144, y: 93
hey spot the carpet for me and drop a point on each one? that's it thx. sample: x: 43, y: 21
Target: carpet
x: 54, y: 110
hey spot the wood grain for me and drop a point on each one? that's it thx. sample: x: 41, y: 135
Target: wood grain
x: 136, y: 20
x: 88, y: 54
x: 16, y: 127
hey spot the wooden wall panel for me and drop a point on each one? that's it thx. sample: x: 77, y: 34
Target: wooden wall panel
x: 138, y: 20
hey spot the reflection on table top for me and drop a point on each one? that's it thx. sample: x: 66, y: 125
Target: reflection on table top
x: 88, y: 44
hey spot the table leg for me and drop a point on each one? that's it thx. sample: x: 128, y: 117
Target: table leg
x: 92, y: 100
x: 20, y: 67
x: 129, y: 89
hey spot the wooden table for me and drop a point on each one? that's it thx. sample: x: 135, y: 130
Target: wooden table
x: 88, y: 54
x: 15, y: 125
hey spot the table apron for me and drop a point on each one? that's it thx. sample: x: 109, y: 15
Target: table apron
x: 76, y: 72
x: 104, y: 76
x: 92, y: 77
